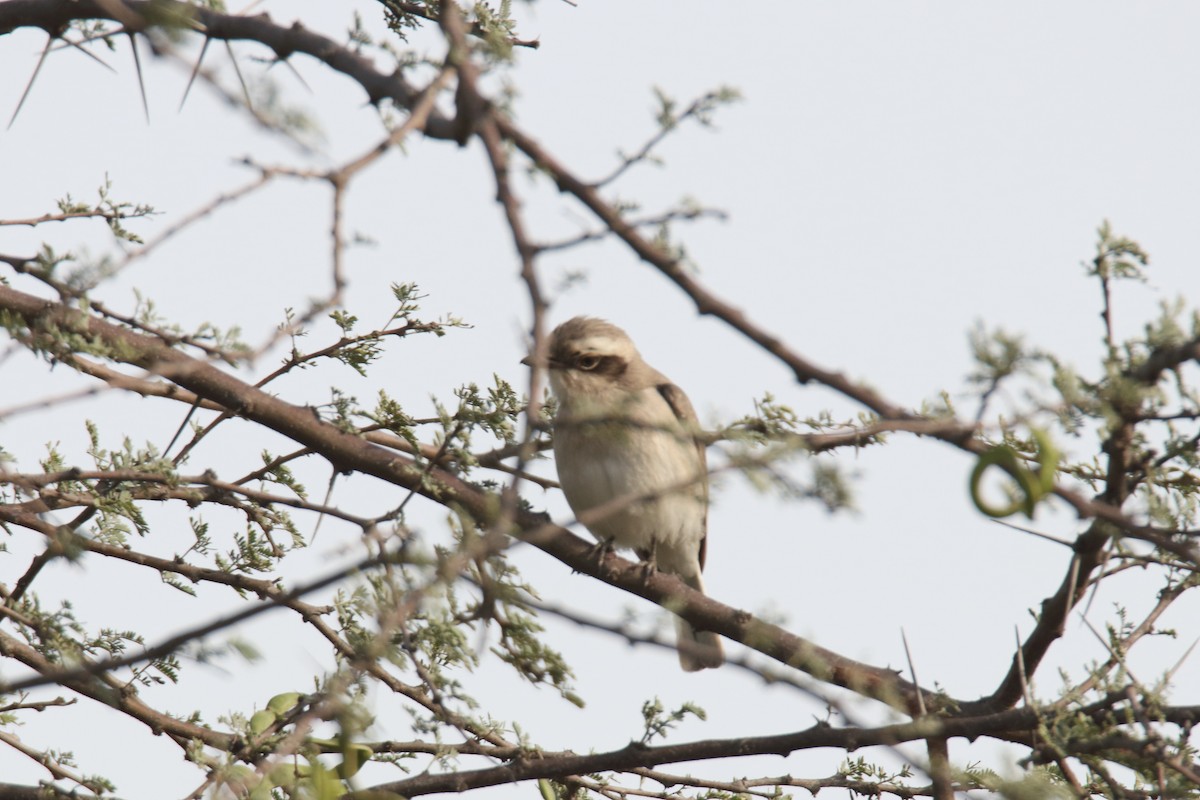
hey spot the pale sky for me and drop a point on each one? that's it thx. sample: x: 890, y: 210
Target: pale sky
x: 895, y: 173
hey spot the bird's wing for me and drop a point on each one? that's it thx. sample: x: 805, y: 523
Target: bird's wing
x: 681, y: 406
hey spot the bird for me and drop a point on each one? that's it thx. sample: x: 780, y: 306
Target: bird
x: 626, y: 448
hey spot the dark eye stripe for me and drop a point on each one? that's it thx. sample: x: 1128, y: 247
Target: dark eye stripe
x: 612, y: 366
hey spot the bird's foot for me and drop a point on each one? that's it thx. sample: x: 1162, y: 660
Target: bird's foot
x: 648, y: 561
x: 601, y: 550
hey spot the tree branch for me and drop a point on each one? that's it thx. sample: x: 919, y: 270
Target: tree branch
x: 348, y: 452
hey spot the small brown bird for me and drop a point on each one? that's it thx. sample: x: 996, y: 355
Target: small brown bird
x: 625, y: 432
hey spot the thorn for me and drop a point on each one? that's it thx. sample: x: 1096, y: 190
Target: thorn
x: 1032, y: 532
x: 195, y: 72
x: 137, y: 63
x: 1072, y: 585
x: 912, y: 669
x: 1025, y: 692
x: 93, y: 38
x: 1171, y: 672
x: 1116, y: 657
x: 328, y: 497
x: 29, y: 85
x: 1096, y: 586
x: 288, y: 63
x: 241, y: 79
x: 79, y: 46
x: 179, y: 431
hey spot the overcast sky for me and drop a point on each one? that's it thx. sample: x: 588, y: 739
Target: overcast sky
x: 895, y: 173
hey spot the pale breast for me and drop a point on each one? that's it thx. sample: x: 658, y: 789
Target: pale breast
x: 600, y: 460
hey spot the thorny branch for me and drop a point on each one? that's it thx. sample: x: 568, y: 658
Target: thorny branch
x: 173, y: 373
x: 350, y: 452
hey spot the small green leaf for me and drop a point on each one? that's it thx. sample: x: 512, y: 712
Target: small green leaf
x: 282, y: 703
x: 353, y: 757
x: 261, y: 720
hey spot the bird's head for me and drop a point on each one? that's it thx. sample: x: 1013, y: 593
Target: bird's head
x: 588, y: 358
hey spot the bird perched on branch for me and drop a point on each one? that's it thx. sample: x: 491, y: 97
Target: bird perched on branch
x: 629, y: 460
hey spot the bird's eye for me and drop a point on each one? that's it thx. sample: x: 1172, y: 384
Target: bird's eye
x: 587, y: 363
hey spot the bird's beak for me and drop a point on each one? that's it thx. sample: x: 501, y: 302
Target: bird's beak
x: 532, y: 361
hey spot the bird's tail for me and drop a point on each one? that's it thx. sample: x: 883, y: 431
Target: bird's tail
x: 697, y: 649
